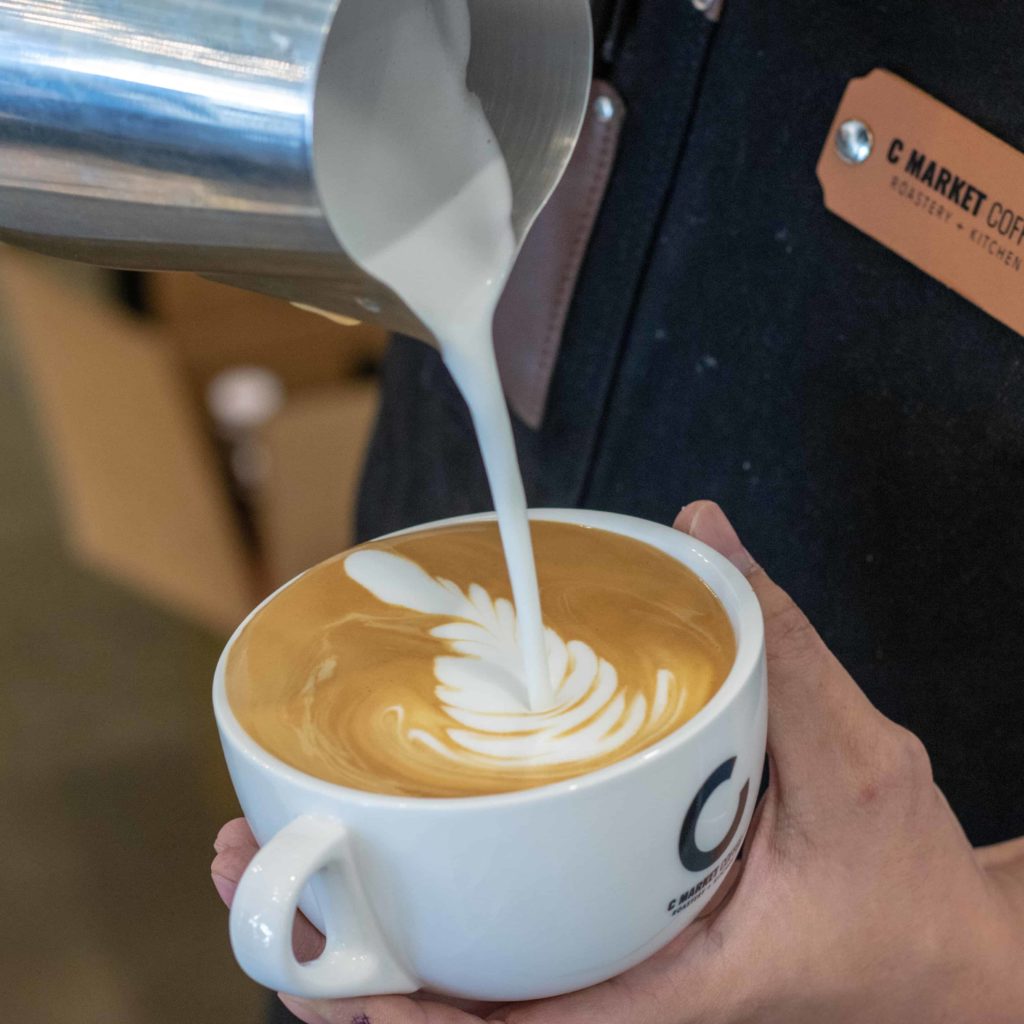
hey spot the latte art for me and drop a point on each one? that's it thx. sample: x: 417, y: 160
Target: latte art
x: 396, y: 669
x: 482, y: 690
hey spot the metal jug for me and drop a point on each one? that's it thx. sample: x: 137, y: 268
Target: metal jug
x: 182, y: 134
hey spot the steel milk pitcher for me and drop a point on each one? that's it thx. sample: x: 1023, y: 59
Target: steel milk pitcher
x: 187, y: 134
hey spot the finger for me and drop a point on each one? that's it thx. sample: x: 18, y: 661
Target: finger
x: 236, y: 846
x: 236, y: 833
x: 477, y: 1007
x: 376, y: 1010
x: 817, y: 715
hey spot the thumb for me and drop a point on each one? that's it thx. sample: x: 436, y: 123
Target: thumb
x: 817, y: 715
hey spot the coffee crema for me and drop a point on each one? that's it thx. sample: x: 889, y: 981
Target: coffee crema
x: 394, y: 668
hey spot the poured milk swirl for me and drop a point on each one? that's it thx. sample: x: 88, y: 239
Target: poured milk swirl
x: 481, y: 689
x: 396, y: 669
x: 433, y: 219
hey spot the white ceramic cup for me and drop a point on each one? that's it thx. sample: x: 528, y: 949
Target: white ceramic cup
x: 517, y: 896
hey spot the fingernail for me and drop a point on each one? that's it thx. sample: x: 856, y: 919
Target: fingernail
x: 303, y: 1009
x: 225, y: 888
x: 712, y: 527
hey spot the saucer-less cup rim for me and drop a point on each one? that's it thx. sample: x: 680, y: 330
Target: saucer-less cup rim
x: 748, y: 628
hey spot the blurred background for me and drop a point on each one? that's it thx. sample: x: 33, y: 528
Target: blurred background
x: 170, y: 450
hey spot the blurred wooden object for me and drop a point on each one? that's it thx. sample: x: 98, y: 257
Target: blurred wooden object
x: 217, y: 326
x: 306, y: 498
x: 119, y: 399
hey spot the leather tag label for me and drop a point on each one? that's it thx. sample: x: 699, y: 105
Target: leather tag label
x: 932, y: 186
x: 534, y: 309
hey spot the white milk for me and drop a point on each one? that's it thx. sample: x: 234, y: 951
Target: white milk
x: 480, y: 689
x: 434, y: 224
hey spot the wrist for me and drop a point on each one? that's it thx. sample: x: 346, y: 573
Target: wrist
x: 1008, y: 879
x: 1004, y: 868
x: 992, y: 991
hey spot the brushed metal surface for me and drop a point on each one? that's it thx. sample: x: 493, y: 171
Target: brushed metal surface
x: 147, y: 134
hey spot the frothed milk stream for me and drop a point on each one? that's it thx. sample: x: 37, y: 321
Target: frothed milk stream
x: 447, y: 259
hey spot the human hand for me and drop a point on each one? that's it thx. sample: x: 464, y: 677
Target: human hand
x: 858, y: 899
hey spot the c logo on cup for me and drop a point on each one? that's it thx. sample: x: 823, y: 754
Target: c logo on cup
x: 693, y: 857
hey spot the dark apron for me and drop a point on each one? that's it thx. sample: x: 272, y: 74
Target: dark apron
x: 862, y: 425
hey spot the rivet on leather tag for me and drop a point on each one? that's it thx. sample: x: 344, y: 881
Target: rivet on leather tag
x: 932, y: 186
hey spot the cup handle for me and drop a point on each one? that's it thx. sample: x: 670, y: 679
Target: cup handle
x: 355, y: 961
